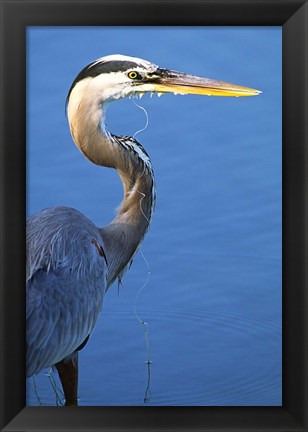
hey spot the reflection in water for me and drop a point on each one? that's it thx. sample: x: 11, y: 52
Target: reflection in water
x: 34, y: 388
x: 147, y: 395
x: 60, y: 400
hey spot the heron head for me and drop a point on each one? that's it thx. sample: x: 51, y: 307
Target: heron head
x: 118, y: 76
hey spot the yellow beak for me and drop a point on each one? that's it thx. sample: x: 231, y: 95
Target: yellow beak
x: 167, y: 81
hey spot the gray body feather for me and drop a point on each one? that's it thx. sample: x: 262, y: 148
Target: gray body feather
x: 66, y: 282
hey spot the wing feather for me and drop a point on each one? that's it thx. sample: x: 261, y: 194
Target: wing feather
x: 66, y: 282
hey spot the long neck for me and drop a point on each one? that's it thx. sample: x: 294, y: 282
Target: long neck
x: 124, y: 234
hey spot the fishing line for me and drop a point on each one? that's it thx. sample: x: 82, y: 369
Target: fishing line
x: 144, y: 324
x: 140, y: 204
x: 146, y: 115
x: 145, y: 328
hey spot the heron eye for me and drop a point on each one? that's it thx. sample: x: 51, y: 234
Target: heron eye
x: 134, y: 75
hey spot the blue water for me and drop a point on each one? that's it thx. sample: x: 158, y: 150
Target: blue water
x: 213, y: 298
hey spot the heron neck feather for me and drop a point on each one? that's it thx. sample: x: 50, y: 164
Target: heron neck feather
x: 124, y: 234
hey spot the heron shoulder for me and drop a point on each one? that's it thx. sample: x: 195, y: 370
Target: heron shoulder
x: 63, y: 238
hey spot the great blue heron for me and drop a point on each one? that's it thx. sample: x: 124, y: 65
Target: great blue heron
x: 70, y: 262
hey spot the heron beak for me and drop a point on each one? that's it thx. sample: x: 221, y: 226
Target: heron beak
x: 168, y: 81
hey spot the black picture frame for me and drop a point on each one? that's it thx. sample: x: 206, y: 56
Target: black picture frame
x: 15, y: 17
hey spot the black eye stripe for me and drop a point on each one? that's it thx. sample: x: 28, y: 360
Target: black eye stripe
x: 96, y: 68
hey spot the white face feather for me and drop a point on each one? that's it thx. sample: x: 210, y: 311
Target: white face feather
x: 106, y: 88
x: 117, y: 85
